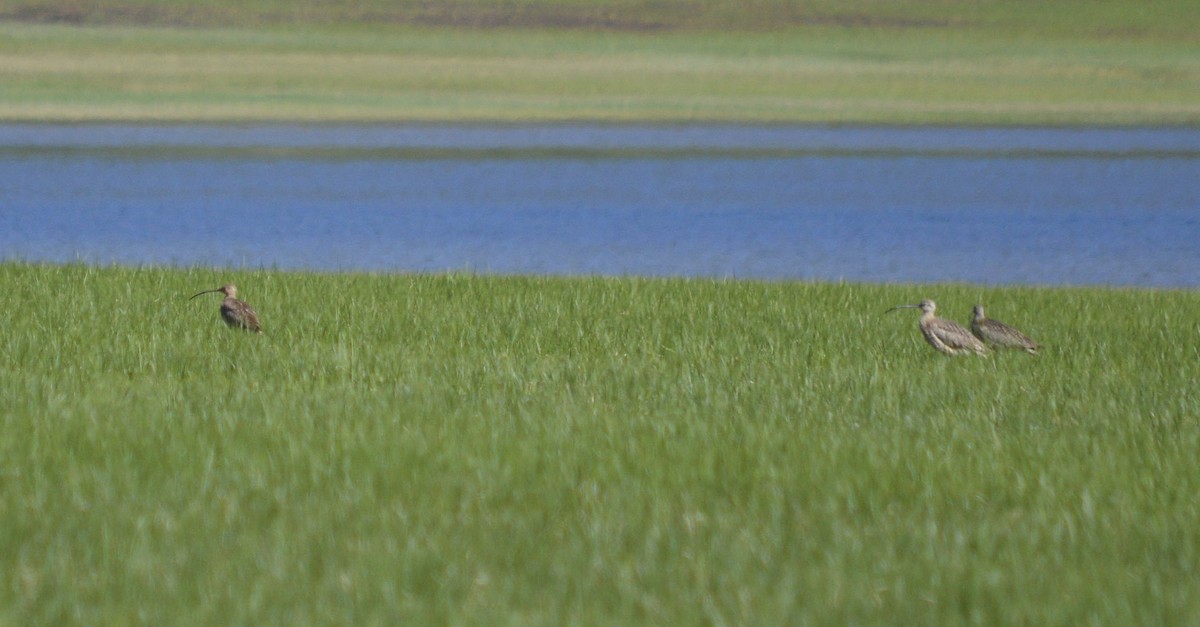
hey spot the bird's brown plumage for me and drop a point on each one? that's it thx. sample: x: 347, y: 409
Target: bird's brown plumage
x: 996, y: 333
x: 236, y: 313
x: 946, y: 336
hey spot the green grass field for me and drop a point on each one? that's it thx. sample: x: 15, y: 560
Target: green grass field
x: 417, y: 449
x: 859, y: 61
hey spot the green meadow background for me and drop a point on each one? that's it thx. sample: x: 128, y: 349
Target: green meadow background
x: 507, y: 450
x: 854, y: 61
x: 462, y: 449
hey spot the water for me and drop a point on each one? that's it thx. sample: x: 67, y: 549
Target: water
x: 988, y: 206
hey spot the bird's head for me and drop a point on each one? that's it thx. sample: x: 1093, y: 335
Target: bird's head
x: 229, y: 289
x: 926, y: 306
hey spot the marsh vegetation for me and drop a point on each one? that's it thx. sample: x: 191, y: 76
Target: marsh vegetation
x: 459, y: 448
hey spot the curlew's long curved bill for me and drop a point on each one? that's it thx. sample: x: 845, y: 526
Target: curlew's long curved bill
x: 205, y: 292
x: 917, y: 306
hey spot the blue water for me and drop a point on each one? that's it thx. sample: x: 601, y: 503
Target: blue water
x: 988, y: 206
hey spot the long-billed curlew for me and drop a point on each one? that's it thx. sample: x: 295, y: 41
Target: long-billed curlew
x: 996, y: 333
x: 236, y: 313
x: 947, y: 336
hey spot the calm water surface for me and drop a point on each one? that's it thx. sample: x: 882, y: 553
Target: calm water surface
x: 989, y: 206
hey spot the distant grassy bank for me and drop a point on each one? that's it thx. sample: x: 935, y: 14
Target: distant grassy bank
x: 1111, y: 19
x: 864, y: 61
x: 457, y: 449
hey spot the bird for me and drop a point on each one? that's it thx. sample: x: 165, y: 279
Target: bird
x: 236, y: 313
x: 946, y: 336
x: 998, y: 334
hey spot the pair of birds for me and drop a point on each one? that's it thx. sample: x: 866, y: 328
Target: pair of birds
x: 950, y: 338
x: 236, y: 313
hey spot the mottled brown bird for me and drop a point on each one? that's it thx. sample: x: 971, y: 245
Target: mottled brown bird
x: 996, y: 333
x: 947, y: 336
x: 236, y: 313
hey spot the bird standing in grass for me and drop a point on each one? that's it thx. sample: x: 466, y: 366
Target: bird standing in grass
x: 998, y: 334
x: 946, y: 336
x: 236, y: 313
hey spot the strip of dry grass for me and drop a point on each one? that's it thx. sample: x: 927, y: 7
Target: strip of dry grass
x: 1095, y: 18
